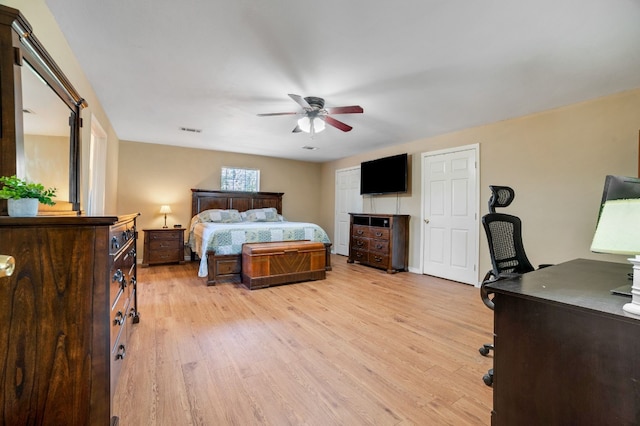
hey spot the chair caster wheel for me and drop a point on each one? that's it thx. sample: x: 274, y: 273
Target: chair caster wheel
x: 483, y: 351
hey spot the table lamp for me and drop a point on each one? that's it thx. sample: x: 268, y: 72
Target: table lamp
x: 164, y: 210
x: 618, y: 232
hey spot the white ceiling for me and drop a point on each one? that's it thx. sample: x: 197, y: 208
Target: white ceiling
x: 418, y: 67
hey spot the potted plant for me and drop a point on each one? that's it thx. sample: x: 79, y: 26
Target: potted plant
x: 23, y: 197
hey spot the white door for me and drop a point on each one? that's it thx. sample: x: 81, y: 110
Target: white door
x: 348, y: 200
x: 97, y: 169
x: 450, y: 214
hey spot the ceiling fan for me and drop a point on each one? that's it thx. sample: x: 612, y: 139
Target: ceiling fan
x: 316, y: 115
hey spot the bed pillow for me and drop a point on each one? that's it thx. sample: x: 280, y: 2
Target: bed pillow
x: 268, y: 214
x: 220, y: 216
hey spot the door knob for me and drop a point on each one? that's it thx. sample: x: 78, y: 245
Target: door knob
x: 7, y: 265
x: 426, y: 221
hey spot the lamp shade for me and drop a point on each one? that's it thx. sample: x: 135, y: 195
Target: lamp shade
x: 165, y: 209
x: 618, y: 230
x: 305, y: 124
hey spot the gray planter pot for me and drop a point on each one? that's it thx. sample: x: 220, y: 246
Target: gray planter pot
x: 24, y: 207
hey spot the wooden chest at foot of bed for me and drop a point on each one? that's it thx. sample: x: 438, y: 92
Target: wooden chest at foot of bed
x: 275, y: 263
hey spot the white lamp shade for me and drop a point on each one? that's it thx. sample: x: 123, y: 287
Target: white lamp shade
x: 165, y: 209
x: 305, y: 124
x: 618, y: 230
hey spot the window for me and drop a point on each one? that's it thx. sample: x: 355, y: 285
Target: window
x: 236, y: 179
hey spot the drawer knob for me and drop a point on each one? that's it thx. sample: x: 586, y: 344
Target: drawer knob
x: 122, y: 351
x: 7, y: 265
x: 114, y: 243
x: 118, y: 319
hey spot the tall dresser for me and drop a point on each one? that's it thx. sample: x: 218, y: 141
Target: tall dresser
x: 379, y: 240
x: 67, y: 313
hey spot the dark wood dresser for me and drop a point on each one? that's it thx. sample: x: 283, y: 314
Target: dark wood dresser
x: 565, y: 351
x: 379, y: 240
x: 163, y: 245
x: 67, y: 312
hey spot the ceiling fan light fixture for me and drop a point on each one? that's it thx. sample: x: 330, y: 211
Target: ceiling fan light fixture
x: 305, y: 124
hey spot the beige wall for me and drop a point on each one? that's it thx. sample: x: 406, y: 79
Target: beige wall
x: 47, y: 31
x: 151, y: 175
x: 47, y: 162
x: 555, y: 160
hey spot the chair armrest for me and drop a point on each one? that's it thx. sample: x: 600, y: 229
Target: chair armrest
x: 485, y: 293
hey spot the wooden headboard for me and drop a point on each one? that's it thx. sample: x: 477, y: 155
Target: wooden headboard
x: 204, y: 199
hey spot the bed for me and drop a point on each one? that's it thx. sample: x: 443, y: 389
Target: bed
x: 216, y: 233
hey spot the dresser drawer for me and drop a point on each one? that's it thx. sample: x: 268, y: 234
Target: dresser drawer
x: 164, y: 235
x: 162, y: 244
x: 379, y: 246
x: 378, y: 260
x: 360, y: 231
x: 165, y: 255
x: 118, y: 353
x: 360, y: 243
x: 370, y: 232
x: 379, y: 233
x: 360, y: 255
x: 118, y: 316
x: 120, y: 234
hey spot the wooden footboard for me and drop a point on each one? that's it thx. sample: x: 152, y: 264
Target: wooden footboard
x: 230, y: 265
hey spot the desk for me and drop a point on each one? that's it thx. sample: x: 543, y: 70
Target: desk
x: 565, y: 351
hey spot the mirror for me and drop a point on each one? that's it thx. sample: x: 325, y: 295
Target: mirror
x: 42, y: 138
x: 46, y: 134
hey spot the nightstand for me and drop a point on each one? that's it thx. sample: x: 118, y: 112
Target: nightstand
x: 165, y: 245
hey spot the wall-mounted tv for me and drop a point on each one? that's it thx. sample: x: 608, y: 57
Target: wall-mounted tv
x: 385, y: 175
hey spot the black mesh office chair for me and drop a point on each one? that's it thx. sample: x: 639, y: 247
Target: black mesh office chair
x: 508, y: 258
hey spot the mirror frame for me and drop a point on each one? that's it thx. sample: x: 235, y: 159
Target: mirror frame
x: 18, y: 44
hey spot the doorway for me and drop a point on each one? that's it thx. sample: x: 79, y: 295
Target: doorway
x: 97, y: 169
x: 450, y: 213
x: 348, y: 200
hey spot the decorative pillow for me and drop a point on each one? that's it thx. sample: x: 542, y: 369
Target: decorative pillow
x: 220, y: 216
x: 268, y: 214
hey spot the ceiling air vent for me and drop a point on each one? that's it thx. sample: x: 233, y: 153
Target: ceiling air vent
x: 190, y: 129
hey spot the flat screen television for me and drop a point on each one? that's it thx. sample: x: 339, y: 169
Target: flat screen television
x: 385, y: 175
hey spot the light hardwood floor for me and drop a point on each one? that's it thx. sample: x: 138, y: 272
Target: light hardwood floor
x: 360, y: 348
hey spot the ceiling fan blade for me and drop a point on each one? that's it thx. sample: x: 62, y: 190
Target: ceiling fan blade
x: 297, y: 129
x: 337, y: 124
x: 353, y: 109
x: 276, y: 113
x: 300, y: 101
